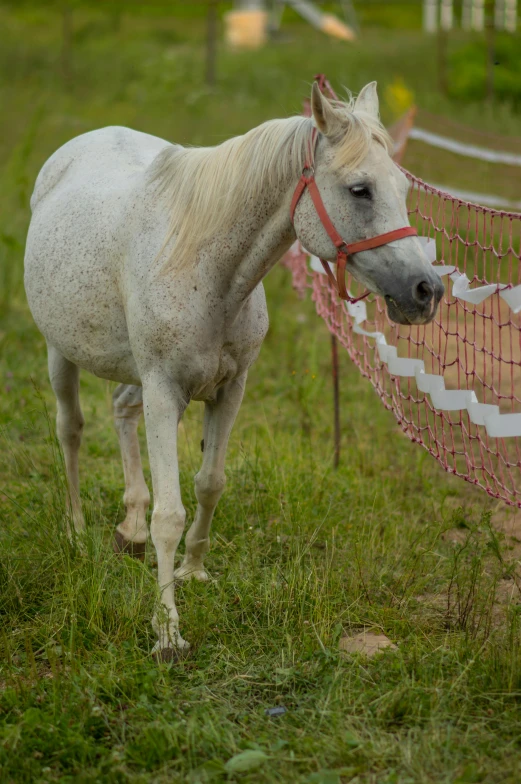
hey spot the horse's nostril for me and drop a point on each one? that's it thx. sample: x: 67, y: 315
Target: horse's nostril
x: 422, y: 292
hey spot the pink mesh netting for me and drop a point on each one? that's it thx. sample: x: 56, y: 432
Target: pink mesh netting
x: 474, y: 347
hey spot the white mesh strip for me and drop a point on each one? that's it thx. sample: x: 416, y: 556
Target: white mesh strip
x: 461, y: 289
x: 512, y: 297
x: 497, y: 425
x: 485, y: 415
x: 503, y: 425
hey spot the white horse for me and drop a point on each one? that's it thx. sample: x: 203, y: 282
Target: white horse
x: 144, y: 264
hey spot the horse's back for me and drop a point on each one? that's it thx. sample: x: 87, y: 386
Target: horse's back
x: 107, y: 155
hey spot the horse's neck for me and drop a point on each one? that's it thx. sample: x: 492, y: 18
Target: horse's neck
x: 261, y: 236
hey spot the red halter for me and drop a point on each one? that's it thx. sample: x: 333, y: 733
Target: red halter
x: 343, y: 250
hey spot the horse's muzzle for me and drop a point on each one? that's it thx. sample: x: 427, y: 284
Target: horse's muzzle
x: 417, y: 302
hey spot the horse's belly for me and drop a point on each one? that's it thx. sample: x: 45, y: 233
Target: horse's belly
x: 77, y: 306
x: 112, y: 362
x: 99, y: 346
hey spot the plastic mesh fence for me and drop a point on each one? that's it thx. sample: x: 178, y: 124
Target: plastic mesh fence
x: 470, y: 347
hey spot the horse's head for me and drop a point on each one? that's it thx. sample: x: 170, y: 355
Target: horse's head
x: 364, y: 194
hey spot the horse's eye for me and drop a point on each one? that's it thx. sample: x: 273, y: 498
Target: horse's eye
x: 360, y: 192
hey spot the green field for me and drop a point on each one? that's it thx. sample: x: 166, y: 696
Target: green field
x: 301, y: 555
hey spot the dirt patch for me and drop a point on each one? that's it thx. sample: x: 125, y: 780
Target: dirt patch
x: 366, y: 642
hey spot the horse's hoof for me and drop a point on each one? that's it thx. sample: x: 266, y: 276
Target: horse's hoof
x: 134, y: 549
x: 188, y: 573
x: 171, y: 653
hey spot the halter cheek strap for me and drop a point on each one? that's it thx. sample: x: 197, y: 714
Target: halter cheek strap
x: 343, y: 250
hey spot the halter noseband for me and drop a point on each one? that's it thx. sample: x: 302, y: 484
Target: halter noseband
x: 343, y: 250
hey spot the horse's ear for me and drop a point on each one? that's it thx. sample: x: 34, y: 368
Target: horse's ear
x: 367, y: 100
x: 325, y: 116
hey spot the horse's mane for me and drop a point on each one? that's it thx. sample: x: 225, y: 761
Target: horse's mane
x: 207, y: 187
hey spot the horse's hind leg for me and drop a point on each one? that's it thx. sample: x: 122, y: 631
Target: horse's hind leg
x: 64, y: 377
x: 219, y: 417
x: 131, y: 534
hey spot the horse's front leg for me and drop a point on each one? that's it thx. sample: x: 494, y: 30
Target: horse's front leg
x: 164, y: 405
x: 219, y: 417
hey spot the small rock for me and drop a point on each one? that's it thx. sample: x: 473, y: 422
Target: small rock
x: 367, y: 643
x: 279, y: 710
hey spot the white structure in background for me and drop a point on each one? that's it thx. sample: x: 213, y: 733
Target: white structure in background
x: 507, y: 18
x: 466, y: 14
x: 430, y: 16
x: 438, y: 12
x: 328, y: 23
x: 441, y: 12
x: 477, y: 15
x: 447, y: 14
x: 505, y: 15
x: 248, y: 24
x: 499, y: 14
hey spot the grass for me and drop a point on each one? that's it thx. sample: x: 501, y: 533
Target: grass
x: 300, y: 554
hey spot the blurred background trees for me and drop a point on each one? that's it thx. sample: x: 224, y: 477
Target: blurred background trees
x: 478, y: 46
